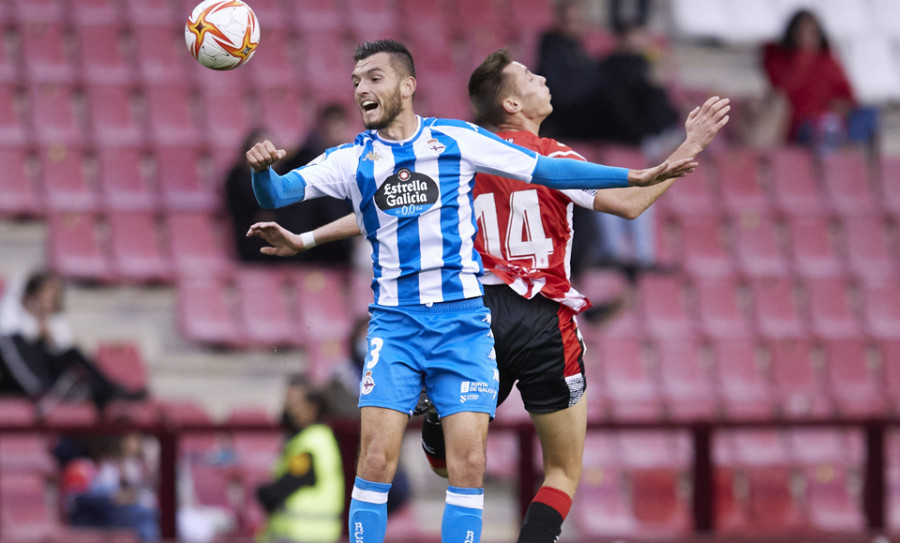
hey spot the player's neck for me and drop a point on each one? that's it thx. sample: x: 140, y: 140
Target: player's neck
x: 402, y: 128
x: 520, y: 124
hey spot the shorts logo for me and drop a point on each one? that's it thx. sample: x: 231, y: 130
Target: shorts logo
x: 368, y: 383
x: 407, y: 193
x: 464, y: 387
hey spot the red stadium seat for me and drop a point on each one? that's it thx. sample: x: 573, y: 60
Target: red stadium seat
x: 72, y: 415
x: 39, y: 11
x: 481, y: 26
x: 75, y: 249
x: 328, y: 64
x: 631, y: 387
x: 183, y: 181
x: 601, y: 506
x: 830, y: 312
x: 772, y: 505
x: 16, y: 412
x: 263, y: 303
x: 185, y: 412
x: 744, y: 384
x: 703, y: 251
x: 322, y: 309
x: 794, y: 182
x: 889, y: 195
x: 867, y: 248
x: 889, y: 353
x: 741, y: 182
x: 271, y: 65
x: 686, y: 383
x: 97, y: 12
x: 799, y: 386
x: 664, y: 307
x: 25, y: 454
x: 154, y: 13
x: 170, y: 116
x: 756, y: 245
x: 12, y: 119
x: 206, y: 313
x: 124, y: 181
x: 659, y: 506
x: 720, y: 310
x: 847, y: 183
x: 812, y: 248
x: 228, y: 120
x: 44, y: 52
x: 833, y: 498
x: 373, y: 20
x: 432, y: 22
x: 318, y: 15
x: 104, y: 54
x: 21, y: 197
x: 66, y: 184
x: 856, y: 386
x: 775, y: 308
x: 160, y: 53
x: 196, y: 244
x: 285, y: 114
x: 693, y: 196
x: 111, y: 116
x: 53, y: 115
x: 881, y: 309
x: 137, y: 248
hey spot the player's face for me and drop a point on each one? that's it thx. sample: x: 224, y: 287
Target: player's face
x: 378, y: 91
x: 530, y: 89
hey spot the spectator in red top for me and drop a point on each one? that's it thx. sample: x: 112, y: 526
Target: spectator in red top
x: 822, y: 103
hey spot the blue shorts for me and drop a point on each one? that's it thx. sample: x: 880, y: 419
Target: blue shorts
x: 447, y: 346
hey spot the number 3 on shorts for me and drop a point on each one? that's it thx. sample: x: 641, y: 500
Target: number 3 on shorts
x: 377, y: 344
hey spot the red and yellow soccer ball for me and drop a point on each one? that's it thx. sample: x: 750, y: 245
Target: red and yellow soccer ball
x: 222, y: 34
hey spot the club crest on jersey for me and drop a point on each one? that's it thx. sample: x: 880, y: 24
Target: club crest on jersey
x: 406, y: 194
x: 368, y: 383
x: 435, y: 145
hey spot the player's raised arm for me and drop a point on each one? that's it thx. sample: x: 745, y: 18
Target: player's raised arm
x: 286, y: 243
x: 273, y: 190
x: 567, y: 173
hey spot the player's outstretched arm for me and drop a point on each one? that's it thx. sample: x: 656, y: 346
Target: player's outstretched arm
x: 667, y: 170
x: 286, y: 243
x: 272, y: 190
x: 264, y: 154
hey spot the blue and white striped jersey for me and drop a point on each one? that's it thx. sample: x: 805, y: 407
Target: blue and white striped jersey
x: 413, y: 202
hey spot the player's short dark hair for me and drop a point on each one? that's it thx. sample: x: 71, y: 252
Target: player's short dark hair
x: 488, y: 86
x: 400, y: 55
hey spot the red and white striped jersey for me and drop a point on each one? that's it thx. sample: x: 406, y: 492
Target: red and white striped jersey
x: 525, y: 230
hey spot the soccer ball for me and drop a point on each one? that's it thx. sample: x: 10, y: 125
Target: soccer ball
x: 222, y: 34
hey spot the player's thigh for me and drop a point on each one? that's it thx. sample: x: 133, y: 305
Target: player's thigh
x: 562, y: 436
x: 465, y: 436
x: 381, y: 439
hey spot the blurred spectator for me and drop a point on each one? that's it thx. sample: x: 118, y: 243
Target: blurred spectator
x: 305, y: 502
x: 332, y: 129
x: 112, y: 487
x: 38, y: 354
x: 823, y: 110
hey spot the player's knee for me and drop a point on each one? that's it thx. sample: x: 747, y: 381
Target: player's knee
x: 466, y: 467
x: 375, y: 463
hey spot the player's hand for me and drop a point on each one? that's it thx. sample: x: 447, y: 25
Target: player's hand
x: 262, y: 155
x: 658, y: 174
x: 704, y: 122
x: 283, y: 242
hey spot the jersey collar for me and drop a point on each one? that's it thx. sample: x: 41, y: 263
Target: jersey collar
x: 394, y: 143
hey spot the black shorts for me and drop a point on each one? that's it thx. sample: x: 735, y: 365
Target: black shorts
x: 537, y: 344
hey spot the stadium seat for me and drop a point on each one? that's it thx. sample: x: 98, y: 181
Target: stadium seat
x: 892, y: 513
x: 124, y: 181
x: 13, y: 121
x: 830, y: 312
x: 740, y: 180
x: 45, y: 56
x: 694, y: 197
x: 263, y: 303
x: 138, y: 251
x: 794, y: 182
x: 206, y: 312
x: 96, y: 12
x: 318, y: 15
x: 75, y: 248
x: 154, y: 13
x: 21, y: 196
x: 16, y: 412
x: 182, y: 179
x: 72, y: 415
x: 169, y: 114
x: 10, y: 71
x: 159, y: 48
x: 322, y: 309
x: 889, y: 353
x: 799, y: 385
x: 284, y: 113
x: 196, y: 245
x: 664, y: 307
x: 601, y: 506
x: 111, y: 116
x: 857, y: 386
x: 776, y: 310
x: 703, y: 251
x: 833, y: 498
x: 39, y: 11
x: 889, y: 184
x: 272, y: 65
x: 104, y: 54
x: 744, y: 384
x: 881, y: 309
x: 630, y: 386
x: 373, y: 20
x: 186, y: 412
x: 756, y: 245
x: 867, y: 249
x: 25, y: 454
x: 228, y: 119
x: 53, y: 116
x: 327, y: 64
x: 719, y: 308
x: 812, y: 248
x: 66, y: 182
x: 686, y: 382
x: 847, y: 183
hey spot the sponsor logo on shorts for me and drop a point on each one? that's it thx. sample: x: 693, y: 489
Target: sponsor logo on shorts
x: 472, y: 390
x: 368, y: 383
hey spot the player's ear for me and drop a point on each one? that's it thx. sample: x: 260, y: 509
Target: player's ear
x: 511, y: 105
x: 408, y: 87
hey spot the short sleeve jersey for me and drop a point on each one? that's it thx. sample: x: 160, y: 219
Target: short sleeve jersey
x: 525, y: 231
x: 413, y: 203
